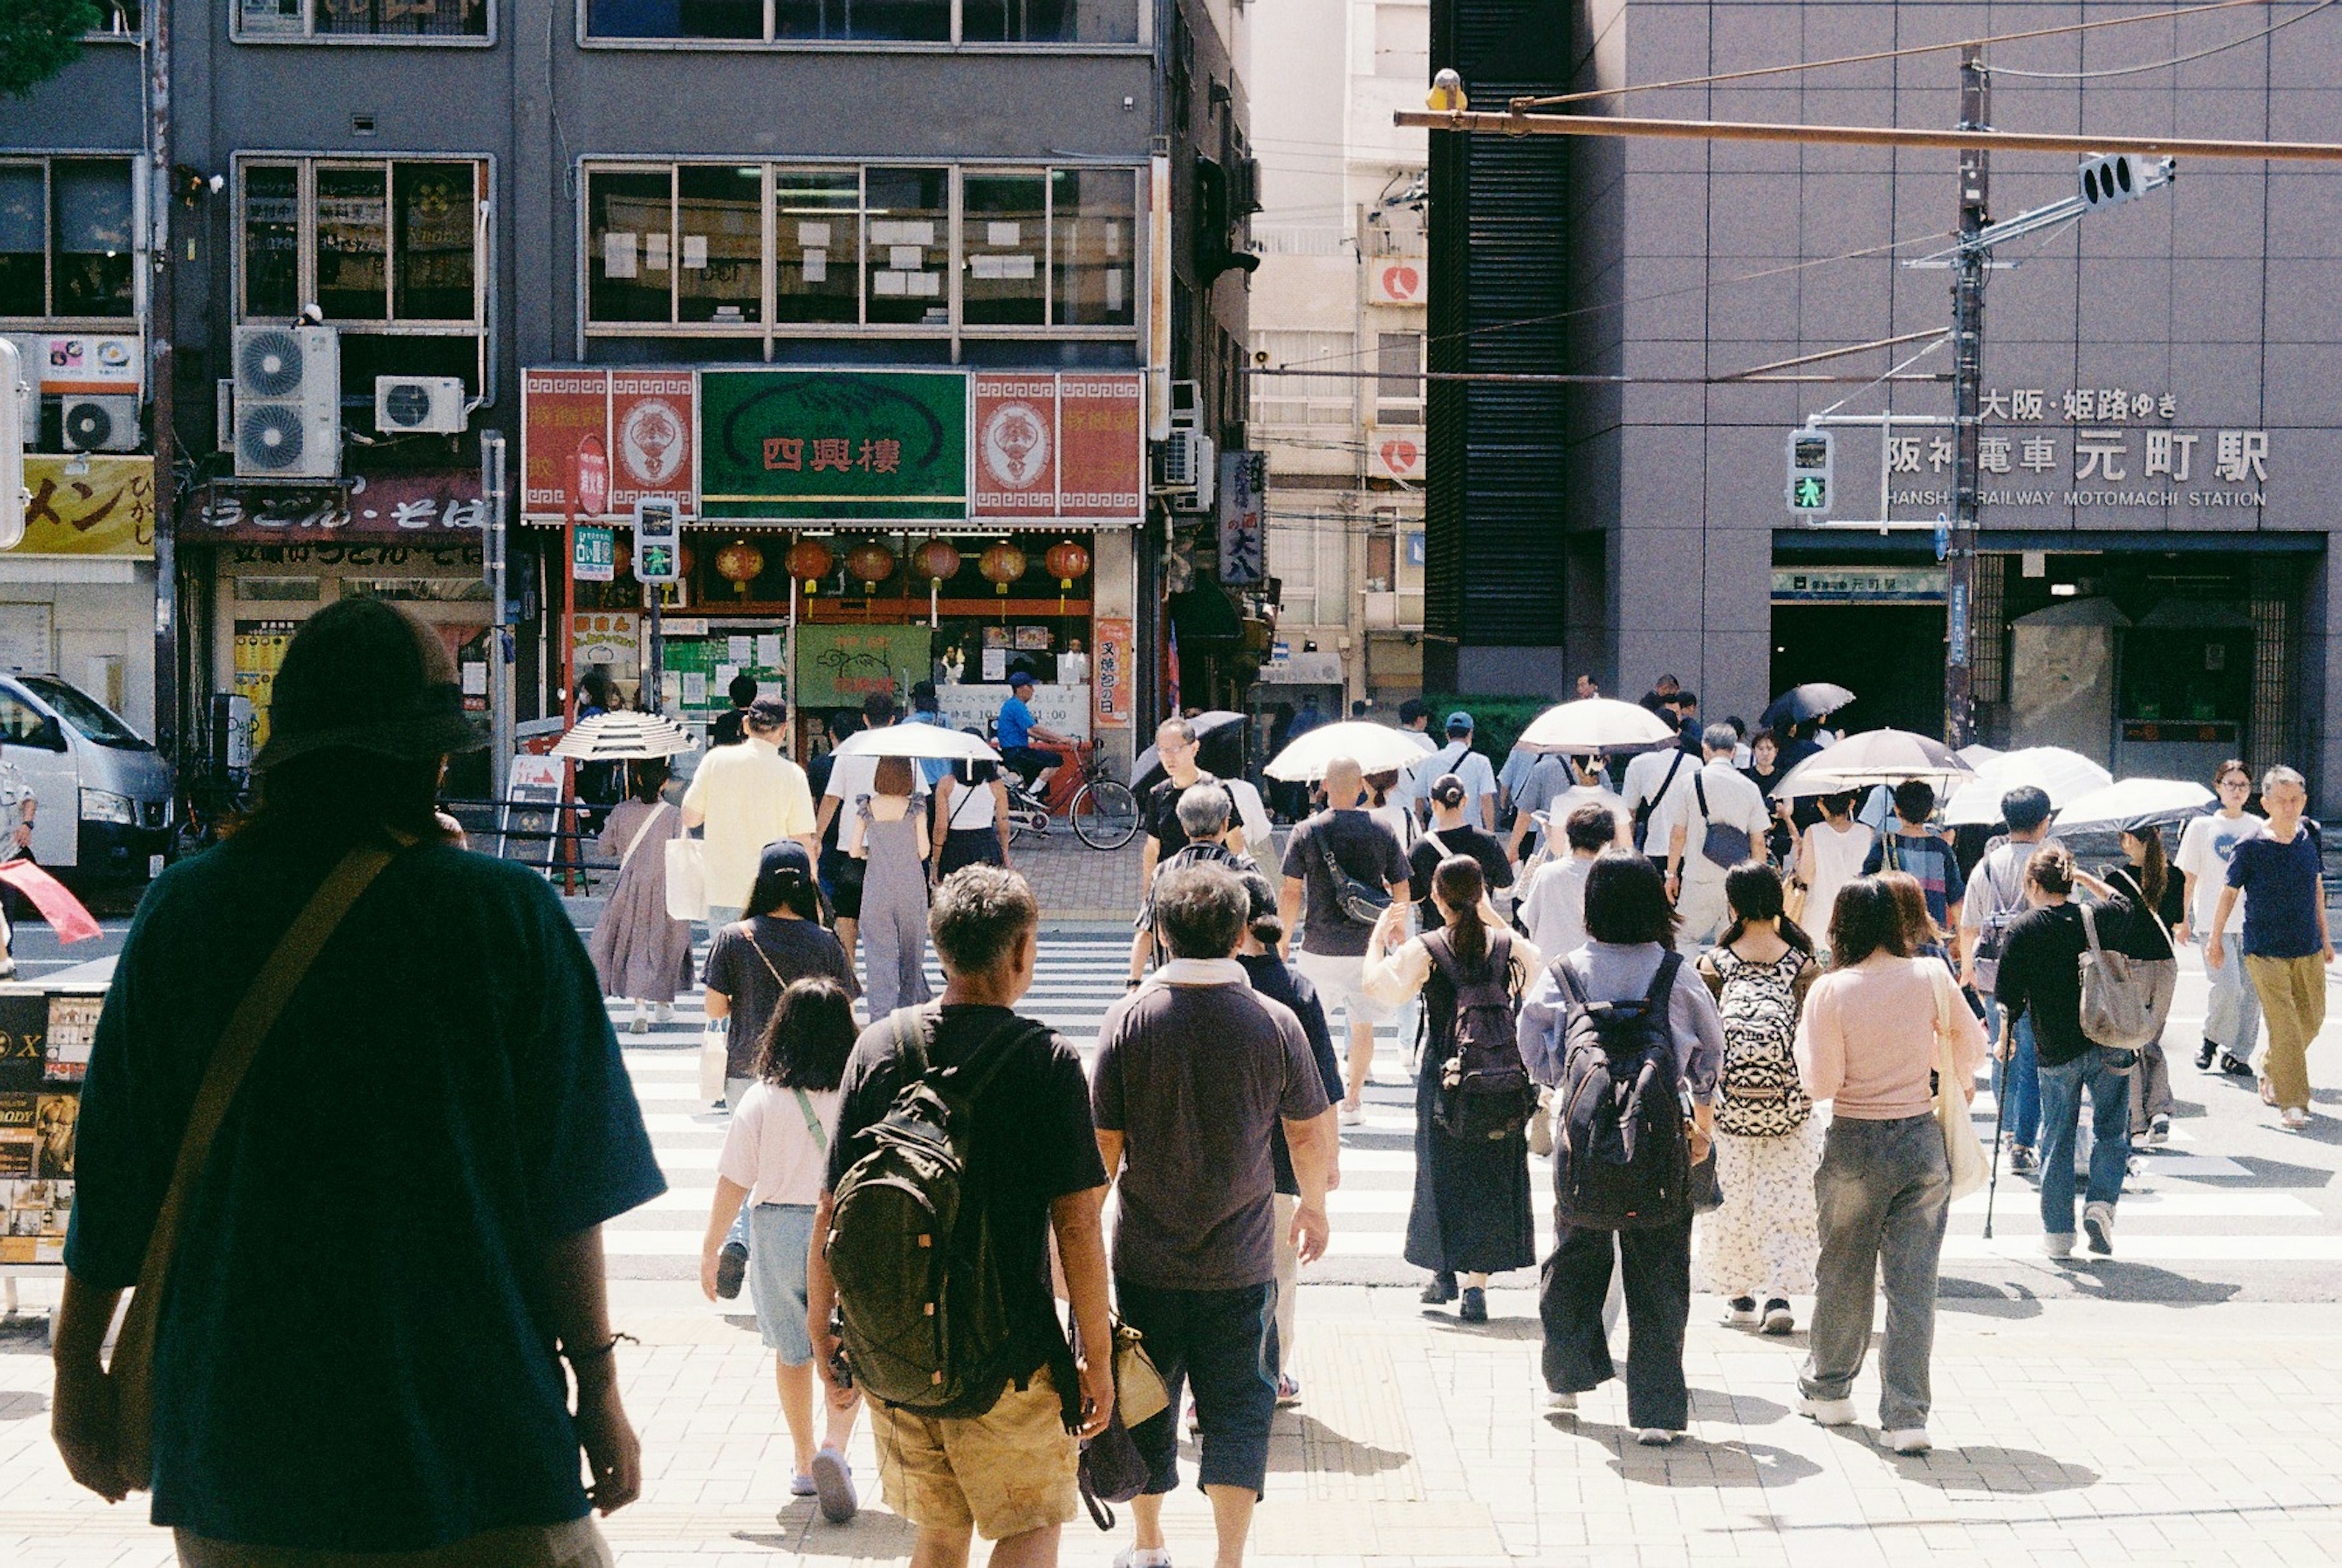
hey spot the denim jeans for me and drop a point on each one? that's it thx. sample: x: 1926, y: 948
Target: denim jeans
x: 1884, y: 1192
x: 1656, y: 1264
x: 2016, y: 1082
x: 2062, y: 1088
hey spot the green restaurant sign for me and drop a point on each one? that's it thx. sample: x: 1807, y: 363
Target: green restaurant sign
x: 834, y: 445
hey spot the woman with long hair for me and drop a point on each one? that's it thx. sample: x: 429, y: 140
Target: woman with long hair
x: 1470, y: 1216
x: 890, y: 838
x: 1873, y: 1030
x: 639, y: 950
x: 1760, y: 1246
x: 775, y: 1153
x: 388, y: 1256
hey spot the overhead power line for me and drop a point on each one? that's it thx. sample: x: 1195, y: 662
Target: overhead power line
x: 2164, y: 65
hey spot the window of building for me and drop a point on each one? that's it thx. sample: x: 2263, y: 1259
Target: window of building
x: 67, y: 228
x: 281, y: 21
x: 1299, y: 402
x: 389, y: 241
x: 977, y: 22
x: 876, y: 246
x: 1398, y: 379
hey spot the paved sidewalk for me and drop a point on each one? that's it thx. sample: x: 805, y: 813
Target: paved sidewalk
x: 2073, y: 1432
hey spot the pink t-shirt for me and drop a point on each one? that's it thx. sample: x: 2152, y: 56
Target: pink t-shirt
x: 770, y: 1150
x: 1867, y: 1038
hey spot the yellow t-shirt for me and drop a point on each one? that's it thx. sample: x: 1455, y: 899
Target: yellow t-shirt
x: 749, y: 795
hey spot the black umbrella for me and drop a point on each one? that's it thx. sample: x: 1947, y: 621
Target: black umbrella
x: 1799, y: 703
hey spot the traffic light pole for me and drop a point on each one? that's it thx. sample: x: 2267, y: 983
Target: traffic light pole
x: 1967, y: 401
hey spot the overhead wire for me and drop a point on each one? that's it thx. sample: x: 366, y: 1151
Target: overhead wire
x: 2163, y: 65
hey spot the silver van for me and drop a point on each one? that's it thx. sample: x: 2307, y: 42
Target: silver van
x: 106, y: 794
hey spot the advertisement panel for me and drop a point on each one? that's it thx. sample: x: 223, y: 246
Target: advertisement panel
x: 834, y: 445
x: 559, y: 410
x: 1114, y: 673
x: 837, y: 666
x: 89, y: 505
x: 1101, y: 457
x: 652, y: 446
x: 1244, y: 540
x: 1395, y: 282
x: 1016, y: 446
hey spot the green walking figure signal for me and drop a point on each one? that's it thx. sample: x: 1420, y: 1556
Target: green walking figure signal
x: 1810, y: 459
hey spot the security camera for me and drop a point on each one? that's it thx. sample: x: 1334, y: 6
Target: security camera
x: 313, y: 314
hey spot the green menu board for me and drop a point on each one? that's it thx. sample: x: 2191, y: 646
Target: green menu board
x: 837, y: 666
x: 846, y: 446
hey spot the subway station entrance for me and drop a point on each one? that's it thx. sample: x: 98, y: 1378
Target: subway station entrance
x: 1877, y: 631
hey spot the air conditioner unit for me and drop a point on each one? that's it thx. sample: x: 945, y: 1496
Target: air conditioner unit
x: 288, y: 402
x: 1189, y: 467
x: 419, y: 405
x: 107, y: 424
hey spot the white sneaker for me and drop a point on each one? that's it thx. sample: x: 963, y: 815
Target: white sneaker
x: 2058, y: 1243
x: 1656, y: 1436
x: 1829, y: 1412
x: 639, y: 1024
x: 1354, y: 1115
x: 1909, y: 1440
x: 1153, y: 1557
x: 2295, y: 1118
x: 664, y: 1012
x: 1562, y: 1404
x: 2099, y: 1220
x: 2159, y: 1133
x: 1739, y: 1312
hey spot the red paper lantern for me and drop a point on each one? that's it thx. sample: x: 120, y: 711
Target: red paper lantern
x: 870, y: 565
x: 809, y: 560
x: 1002, y: 564
x: 738, y: 564
x: 936, y: 560
x: 1067, y: 562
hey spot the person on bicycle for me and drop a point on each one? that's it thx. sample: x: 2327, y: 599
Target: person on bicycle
x: 1016, y: 729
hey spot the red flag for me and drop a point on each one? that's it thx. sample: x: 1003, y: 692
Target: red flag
x: 61, y: 909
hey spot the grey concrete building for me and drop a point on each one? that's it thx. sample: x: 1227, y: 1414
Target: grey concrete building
x: 2159, y: 442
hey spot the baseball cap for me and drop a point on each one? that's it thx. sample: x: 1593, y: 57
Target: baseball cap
x: 1020, y: 679
x: 1459, y: 722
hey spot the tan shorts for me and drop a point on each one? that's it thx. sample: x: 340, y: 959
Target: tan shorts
x: 576, y: 1545
x: 1007, y: 1471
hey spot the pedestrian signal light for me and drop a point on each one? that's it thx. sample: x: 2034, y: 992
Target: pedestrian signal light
x: 658, y: 542
x: 1810, y: 472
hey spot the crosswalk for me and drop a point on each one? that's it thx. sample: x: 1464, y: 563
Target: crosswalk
x: 2191, y: 1205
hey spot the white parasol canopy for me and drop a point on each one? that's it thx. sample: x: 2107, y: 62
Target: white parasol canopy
x: 1595, y: 724
x: 1376, y: 748
x: 2060, y: 773
x: 2156, y: 800
x: 620, y: 736
x: 937, y: 743
x: 1875, y: 757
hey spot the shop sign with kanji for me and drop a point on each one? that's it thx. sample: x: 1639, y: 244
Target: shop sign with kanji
x: 845, y: 445
x: 415, y: 507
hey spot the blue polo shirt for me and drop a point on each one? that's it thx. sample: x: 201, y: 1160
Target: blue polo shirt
x: 2280, y: 885
x: 349, y: 1360
x: 1014, y: 726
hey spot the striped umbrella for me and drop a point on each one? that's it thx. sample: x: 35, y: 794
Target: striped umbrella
x: 617, y: 736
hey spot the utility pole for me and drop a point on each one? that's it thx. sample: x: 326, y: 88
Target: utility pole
x: 162, y: 326
x: 1967, y: 401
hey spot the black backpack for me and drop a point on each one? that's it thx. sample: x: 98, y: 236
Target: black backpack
x: 1485, y: 1088
x: 924, y: 1304
x: 1622, y: 1161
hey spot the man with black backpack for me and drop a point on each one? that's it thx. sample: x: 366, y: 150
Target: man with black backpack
x: 1631, y: 1046
x: 963, y: 1143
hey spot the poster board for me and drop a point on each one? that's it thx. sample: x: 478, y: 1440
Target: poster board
x: 45, y: 1035
x: 838, y: 666
x: 698, y: 670
x: 532, y: 806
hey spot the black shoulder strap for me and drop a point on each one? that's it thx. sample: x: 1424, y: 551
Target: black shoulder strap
x: 1443, y: 956
x: 1662, y: 984
x: 1651, y: 804
x: 1566, y: 978
x: 1699, y: 789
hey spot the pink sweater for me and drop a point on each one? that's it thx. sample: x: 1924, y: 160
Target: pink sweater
x: 1867, y: 1038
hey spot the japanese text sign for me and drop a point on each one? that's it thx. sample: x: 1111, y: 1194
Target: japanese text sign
x: 88, y: 506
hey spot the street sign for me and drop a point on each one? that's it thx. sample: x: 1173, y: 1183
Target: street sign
x: 1810, y: 455
x: 658, y: 542
x: 593, y: 489
x: 594, y: 558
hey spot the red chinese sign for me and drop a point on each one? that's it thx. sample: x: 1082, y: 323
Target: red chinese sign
x: 1015, y: 445
x: 592, y: 476
x: 652, y: 446
x: 416, y: 507
x: 642, y: 422
x: 1101, y: 420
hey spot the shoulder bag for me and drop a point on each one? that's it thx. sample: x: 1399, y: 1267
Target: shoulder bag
x: 130, y: 1373
x: 2120, y: 994
x: 686, y: 878
x: 1724, y: 845
x: 1961, y: 1148
x: 1643, y: 808
x: 1362, y: 902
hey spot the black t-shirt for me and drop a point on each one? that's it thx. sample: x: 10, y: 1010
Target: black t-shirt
x: 817, y: 774
x: 1365, y: 850
x: 1280, y: 982
x: 2041, y: 977
x: 738, y: 966
x: 1032, y: 1143
x: 1437, y: 845
x: 1162, y: 814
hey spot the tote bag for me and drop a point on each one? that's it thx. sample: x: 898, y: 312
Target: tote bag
x: 1961, y: 1147
x: 686, y: 878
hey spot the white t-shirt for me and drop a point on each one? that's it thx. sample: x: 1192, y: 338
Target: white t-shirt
x: 1643, y: 775
x: 852, y: 777
x: 1455, y: 757
x: 1732, y: 802
x: 1553, y: 906
x: 971, y: 805
x: 770, y: 1150
x: 2205, y: 847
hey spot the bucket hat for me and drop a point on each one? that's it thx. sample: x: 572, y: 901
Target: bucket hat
x: 365, y: 675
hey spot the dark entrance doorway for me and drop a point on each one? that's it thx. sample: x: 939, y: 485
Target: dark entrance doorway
x: 1891, y: 656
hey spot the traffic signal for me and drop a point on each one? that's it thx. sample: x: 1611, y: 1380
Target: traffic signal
x: 1810, y: 466
x: 2109, y: 181
x: 658, y: 542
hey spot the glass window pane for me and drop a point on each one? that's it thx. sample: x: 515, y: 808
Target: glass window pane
x: 353, y: 244
x: 1049, y: 21
x: 675, y: 18
x: 272, y: 241
x: 906, y: 254
x: 1002, y: 250
x: 920, y: 21
x: 720, y: 254
x: 93, y: 225
x: 629, y: 222
x: 23, y: 241
x: 817, y: 244
x: 437, y: 205
x: 269, y: 18
x: 403, y: 18
x: 1094, y: 238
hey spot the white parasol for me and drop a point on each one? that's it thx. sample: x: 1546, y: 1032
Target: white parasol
x: 2062, y: 774
x: 2155, y: 800
x: 1596, y: 725
x: 1376, y: 748
x: 1875, y: 757
x: 936, y: 742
